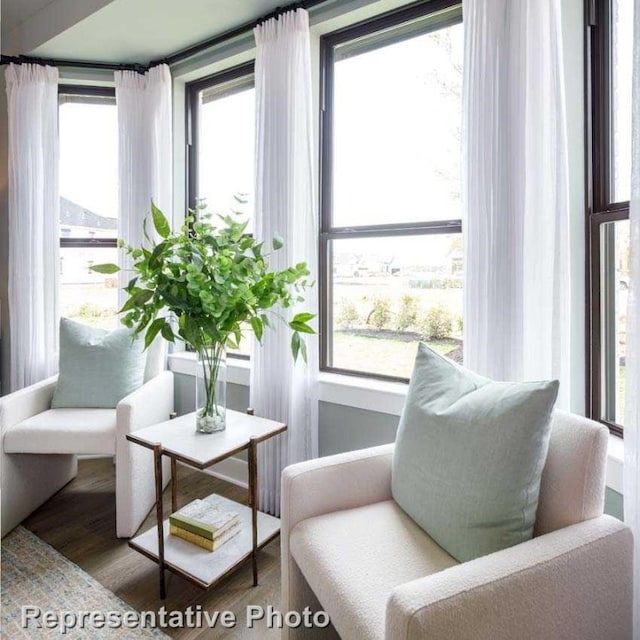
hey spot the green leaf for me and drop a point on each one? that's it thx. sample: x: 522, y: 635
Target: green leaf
x: 144, y: 230
x: 277, y: 241
x: 106, y: 268
x: 156, y: 253
x: 256, y: 325
x: 303, y: 317
x: 153, y: 330
x: 303, y: 350
x: 160, y: 223
x: 295, y: 345
x: 131, y: 285
x: 301, y: 326
x: 167, y: 333
x: 142, y: 297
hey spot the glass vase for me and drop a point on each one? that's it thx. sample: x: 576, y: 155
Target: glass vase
x: 211, y: 389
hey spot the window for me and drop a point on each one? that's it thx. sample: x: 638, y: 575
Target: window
x: 88, y: 134
x: 221, y: 134
x: 391, y: 243
x: 610, y: 34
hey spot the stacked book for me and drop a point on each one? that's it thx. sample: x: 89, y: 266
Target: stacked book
x: 207, y: 523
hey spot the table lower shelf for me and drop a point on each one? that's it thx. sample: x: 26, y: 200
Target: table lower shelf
x: 198, y: 565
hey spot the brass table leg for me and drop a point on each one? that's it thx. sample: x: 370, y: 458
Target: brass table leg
x: 253, y: 503
x: 174, y: 485
x: 157, y: 458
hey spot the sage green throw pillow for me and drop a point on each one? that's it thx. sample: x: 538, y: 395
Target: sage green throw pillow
x: 469, y: 455
x: 97, y: 368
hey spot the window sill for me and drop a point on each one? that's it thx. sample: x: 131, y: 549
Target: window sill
x: 184, y: 362
x: 350, y: 391
x: 371, y: 395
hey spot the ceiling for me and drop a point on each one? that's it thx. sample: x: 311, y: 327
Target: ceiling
x: 16, y: 11
x: 140, y: 30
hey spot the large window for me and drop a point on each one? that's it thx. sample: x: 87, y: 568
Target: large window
x: 221, y: 134
x: 609, y: 37
x: 88, y: 134
x: 391, y: 243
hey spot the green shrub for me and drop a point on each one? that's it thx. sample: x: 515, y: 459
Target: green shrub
x: 408, y: 313
x: 89, y: 310
x: 381, y: 313
x: 348, y: 315
x: 437, y: 283
x: 438, y: 323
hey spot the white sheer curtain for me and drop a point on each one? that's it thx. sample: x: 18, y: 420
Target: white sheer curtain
x: 632, y: 400
x: 285, y: 205
x: 34, y: 212
x: 144, y: 153
x: 517, y: 288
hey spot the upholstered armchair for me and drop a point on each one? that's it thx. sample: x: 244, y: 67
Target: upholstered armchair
x: 348, y: 549
x: 40, y: 445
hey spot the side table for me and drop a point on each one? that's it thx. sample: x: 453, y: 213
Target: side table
x: 178, y: 440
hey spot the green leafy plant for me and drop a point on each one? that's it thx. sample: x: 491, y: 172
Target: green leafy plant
x: 348, y: 315
x: 380, y: 314
x: 438, y: 323
x: 215, y: 281
x: 408, y: 313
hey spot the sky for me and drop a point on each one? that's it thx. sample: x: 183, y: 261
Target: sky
x: 89, y: 156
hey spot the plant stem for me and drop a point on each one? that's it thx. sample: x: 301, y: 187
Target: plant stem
x: 211, y: 358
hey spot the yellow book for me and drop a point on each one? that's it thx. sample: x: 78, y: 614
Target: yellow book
x: 205, y: 543
x: 208, y: 517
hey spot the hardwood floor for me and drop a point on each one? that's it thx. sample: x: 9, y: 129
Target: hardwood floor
x: 79, y: 522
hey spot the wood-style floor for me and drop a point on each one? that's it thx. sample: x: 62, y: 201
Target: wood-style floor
x: 79, y: 522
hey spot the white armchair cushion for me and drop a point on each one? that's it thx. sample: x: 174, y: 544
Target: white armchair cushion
x: 353, y: 559
x: 87, y: 431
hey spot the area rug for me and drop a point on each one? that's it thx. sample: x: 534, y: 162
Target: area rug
x: 38, y: 582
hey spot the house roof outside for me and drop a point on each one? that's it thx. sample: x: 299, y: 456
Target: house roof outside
x: 75, y: 215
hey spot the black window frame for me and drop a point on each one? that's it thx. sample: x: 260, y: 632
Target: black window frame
x: 328, y: 232
x: 600, y: 211
x: 89, y: 91
x: 192, y: 93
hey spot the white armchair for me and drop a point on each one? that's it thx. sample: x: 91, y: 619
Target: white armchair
x: 40, y: 445
x: 348, y: 549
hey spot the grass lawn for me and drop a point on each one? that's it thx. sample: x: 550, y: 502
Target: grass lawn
x: 382, y: 355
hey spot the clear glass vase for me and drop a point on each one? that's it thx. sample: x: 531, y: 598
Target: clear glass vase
x: 211, y: 389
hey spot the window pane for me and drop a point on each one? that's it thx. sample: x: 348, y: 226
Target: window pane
x: 88, y: 169
x: 388, y: 293
x: 397, y: 142
x: 85, y: 296
x: 621, y: 70
x: 615, y: 248
x: 226, y: 158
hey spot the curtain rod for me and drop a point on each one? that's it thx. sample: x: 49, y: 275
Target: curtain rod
x: 170, y: 59
x: 81, y: 64
x: 193, y: 50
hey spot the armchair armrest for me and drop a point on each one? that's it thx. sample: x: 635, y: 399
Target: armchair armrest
x: 575, y: 582
x: 25, y: 403
x: 135, y: 487
x: 325, y: 485
x: 150, y: 404
x: 28, y: 479
x: 333, y: 483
